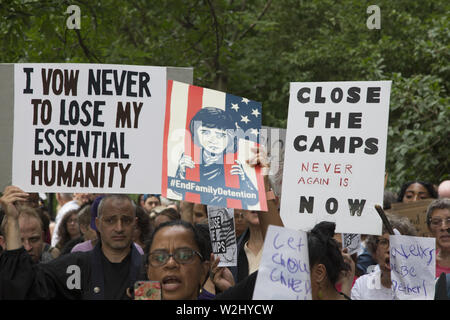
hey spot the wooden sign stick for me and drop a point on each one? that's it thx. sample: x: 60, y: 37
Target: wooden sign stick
x: 384, y: 219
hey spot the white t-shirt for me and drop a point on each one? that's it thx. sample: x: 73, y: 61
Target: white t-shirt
x: 369, y: 287
x: 68, y: 206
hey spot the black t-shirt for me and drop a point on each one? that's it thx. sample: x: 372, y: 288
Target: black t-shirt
x: 116, y: 278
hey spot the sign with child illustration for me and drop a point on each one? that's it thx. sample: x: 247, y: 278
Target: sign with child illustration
x: 335, y: 155
x: 208, y: 138
x: 90, y: 127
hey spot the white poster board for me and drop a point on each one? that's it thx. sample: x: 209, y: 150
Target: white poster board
x: 90, y: 127
x: 223, y: 235
x: 284, y: 272
x: 335, y: 155
x: 413, y: 267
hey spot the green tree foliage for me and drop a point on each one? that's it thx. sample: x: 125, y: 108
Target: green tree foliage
x: 254, y: 48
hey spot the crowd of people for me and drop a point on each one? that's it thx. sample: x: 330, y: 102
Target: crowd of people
x: 98, y: 245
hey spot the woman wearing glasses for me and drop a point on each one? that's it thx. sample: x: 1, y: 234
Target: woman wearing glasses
x: 177, y: 256
x: 438, y: 220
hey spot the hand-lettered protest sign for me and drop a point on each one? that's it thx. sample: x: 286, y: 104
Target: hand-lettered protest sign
x: 335, y: 155
x: 208, y: 138
x: 86, y: 127
x: 284, y: 272
x: 352, y: 242
x: 413, y: 267
x: 223, y: 236
x: 274, y: 139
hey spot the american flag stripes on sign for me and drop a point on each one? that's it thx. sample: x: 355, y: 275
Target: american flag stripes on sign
x: 208, y: 137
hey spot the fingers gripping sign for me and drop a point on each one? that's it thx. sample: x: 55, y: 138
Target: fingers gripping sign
x: 260, y: 158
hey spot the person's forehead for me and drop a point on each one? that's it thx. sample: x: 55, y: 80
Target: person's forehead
x: 441, y: 213
x: 152, y: 199
x: 178, y: 236
x: 417, y: 187
x: 115, y: 206
x: 29, y: 224
x: 202, y: 128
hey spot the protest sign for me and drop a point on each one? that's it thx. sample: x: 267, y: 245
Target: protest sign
x: 223, y: 236
x: 284, y: 272
x: 352, y: 242
x: 208, y: 138
x: 274, y: 140
x: 335, y: 155
x: 416, y: 212
x: 88, y: 127
x: 413, y: 267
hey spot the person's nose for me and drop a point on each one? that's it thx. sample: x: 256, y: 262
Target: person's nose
x: 26, y: 245
x: 118, y: 227
x: 171, y: 263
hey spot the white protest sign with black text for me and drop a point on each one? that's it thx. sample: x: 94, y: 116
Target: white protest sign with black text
x: 413, y: 267
x: 284, y: 272
x: 335, y: 155
x: 89, y: 127
x: 223, y: 235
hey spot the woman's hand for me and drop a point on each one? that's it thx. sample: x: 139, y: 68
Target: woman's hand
x: 221, y: 276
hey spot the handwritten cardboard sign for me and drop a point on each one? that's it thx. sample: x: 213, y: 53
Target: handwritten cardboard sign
x: 335, y: 155
x: 284, y: 272
x: 416, y: 212
x: 413, y: 267
x: 89, y: 127
x: 223, y: 235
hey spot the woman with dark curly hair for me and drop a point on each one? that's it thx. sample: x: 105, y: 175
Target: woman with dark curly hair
x: 143, y: 227
x: 416, y: 190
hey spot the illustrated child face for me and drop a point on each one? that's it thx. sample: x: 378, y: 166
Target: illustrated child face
x: 212, y: 140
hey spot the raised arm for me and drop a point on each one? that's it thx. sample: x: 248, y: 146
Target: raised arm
x: 11, y: 196
x: 272, y: 216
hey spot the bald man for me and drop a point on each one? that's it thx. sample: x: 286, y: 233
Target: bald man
x: 444, y: 189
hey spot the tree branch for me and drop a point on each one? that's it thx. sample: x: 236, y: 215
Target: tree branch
x: 266, y: 7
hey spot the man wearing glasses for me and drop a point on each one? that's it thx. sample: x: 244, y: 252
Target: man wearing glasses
x: 103, y: 273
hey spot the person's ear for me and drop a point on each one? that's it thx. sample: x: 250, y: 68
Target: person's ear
x: 318, y: 272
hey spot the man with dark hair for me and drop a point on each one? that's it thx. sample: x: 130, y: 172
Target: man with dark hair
x: 151, y: 201
x: 106, y: 272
